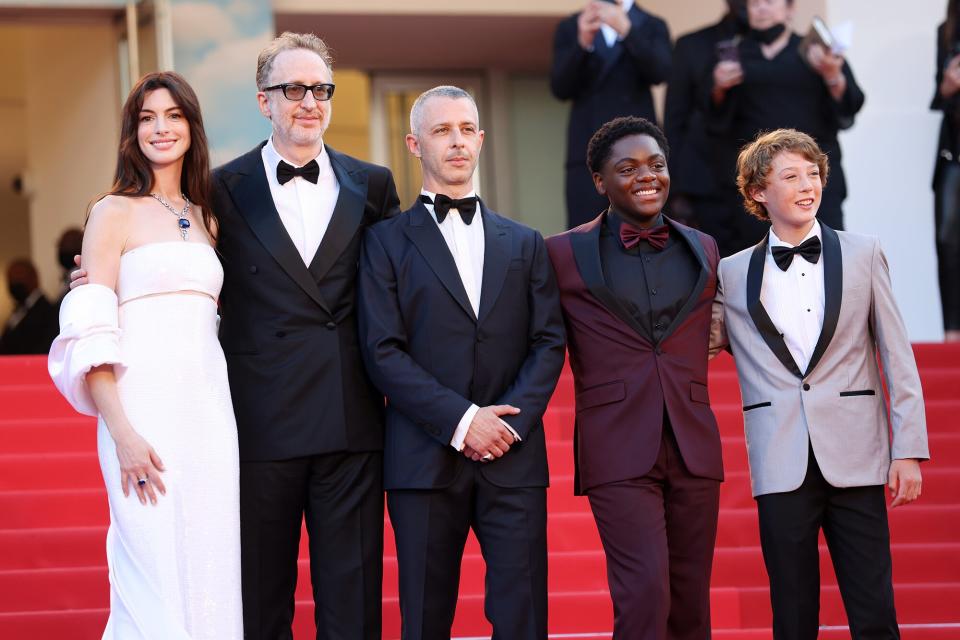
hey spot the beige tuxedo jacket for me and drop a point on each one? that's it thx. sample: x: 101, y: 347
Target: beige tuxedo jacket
x: 837, y: 405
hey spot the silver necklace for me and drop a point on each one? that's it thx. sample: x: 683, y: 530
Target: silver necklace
x: 182, y: 219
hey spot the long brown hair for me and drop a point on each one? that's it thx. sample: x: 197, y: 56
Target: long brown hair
x: 134, y: 175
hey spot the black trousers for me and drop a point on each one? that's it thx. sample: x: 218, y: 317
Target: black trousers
x: 431, y: 527
x: 947, y: 219
x: 854, y: 523
x: 341, y: 497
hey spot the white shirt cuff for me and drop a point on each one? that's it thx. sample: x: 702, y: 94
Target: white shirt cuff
x: 462, y: 427
x: 510, y: 429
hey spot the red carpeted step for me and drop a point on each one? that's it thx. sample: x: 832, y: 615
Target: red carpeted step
x: 33, y: 401
x: 68, y: 435
x: 16, y: 370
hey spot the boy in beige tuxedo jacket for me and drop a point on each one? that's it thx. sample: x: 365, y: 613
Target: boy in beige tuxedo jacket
x: 805, y: 313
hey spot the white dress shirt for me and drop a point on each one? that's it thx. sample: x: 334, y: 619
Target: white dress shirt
x: 794, y: 299
x: 467, y: 244
x: 305, y: 208
x: 610, y: 35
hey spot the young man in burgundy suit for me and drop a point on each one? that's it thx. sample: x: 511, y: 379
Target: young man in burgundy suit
x: 636, y: 290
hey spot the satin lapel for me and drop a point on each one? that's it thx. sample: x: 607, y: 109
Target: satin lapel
x: 586, y: 253
x: 496, y: 259
x: 426, y: 237
x: 832, y: 258
x: 761, y: 319
x: 251, y: 195
x: 347, y: 215
x: 690, y: 236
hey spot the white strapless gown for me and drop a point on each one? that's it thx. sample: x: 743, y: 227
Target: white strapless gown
x: 174, y: 567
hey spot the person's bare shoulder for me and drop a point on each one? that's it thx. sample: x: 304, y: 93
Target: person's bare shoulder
x: 109, y: 221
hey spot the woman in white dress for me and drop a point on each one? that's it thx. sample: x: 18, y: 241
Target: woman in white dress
x: 138, y: 347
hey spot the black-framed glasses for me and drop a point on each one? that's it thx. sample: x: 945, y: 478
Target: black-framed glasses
x: 296, y: 92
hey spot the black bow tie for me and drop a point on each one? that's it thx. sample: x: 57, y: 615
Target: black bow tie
x: 809, y: 250
x: 442, y: 205
x: 309, y: 171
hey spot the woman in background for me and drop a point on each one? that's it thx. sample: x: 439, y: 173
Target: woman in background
x: 946, y: 176
x: 138, y: 347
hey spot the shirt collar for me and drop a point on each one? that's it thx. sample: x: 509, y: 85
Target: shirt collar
x: 777, y: 242
x: 273, y: 156
x: 432, y: 196
x: 626, y: 4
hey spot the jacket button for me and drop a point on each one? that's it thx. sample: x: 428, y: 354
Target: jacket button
x: 806, y: 387
x: 253, y: 268
x: 281, y: 334
x: 331, y: 325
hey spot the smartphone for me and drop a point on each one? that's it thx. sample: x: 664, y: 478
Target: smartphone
x: 727, y: 50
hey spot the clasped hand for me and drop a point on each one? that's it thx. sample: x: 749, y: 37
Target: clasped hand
x: 488, y: 436
x: 597, y: 13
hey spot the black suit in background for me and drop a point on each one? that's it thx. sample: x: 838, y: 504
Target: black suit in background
x: 946, y: 188
x: 310, y: 423
x: 34, y: 332
x: 604, y: 84
x: 694, y: 189
x: 432, y: 357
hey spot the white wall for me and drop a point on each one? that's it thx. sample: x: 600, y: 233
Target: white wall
x: 888, y: 155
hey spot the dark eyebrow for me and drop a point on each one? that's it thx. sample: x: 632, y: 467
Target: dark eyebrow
x: 656, y: 156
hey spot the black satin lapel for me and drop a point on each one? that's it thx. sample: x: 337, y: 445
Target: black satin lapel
x: 425, y: 235
x: 346, y: 219
x: 761, y: 319
x: 689, y: 235
x: 832, y: 258
x: 251, y: 195
x: 496, y: 259
x: 586, y: 253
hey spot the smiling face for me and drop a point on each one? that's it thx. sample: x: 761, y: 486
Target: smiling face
x: 793, y: 191
x: 297, y: 123
x: 448, y: 142
x: 635, y: 179
x: 163, y: 132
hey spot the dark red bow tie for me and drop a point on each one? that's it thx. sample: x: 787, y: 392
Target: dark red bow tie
x: 631, y: 236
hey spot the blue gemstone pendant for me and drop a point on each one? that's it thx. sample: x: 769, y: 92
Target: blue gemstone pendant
x: 184, y: 226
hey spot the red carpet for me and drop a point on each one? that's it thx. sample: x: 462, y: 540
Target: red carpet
x: 53, y: 514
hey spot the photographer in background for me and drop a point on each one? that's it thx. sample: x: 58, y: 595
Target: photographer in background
x: 695, y: 197
x: 946, y: 176
x: 605, y: 59
x: 777, y: 84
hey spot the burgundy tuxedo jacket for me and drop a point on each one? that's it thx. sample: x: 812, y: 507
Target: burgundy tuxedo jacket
x: 624, y: 381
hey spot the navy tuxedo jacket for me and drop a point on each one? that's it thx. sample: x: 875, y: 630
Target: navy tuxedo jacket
x: 432, y: 357
x: 288, y: 330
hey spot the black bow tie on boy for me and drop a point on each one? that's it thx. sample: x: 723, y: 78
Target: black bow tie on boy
x: 809, y: 250
x: 442, y: 205
x: 287, y: 172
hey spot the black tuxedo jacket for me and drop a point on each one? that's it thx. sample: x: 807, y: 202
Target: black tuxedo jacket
x: 288, y: 330
x: 604, y: 84
x: 35, y: 331
x: 432, y: 357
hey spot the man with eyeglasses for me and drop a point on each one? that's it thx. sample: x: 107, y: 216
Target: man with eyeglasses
x: 292, y: 214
